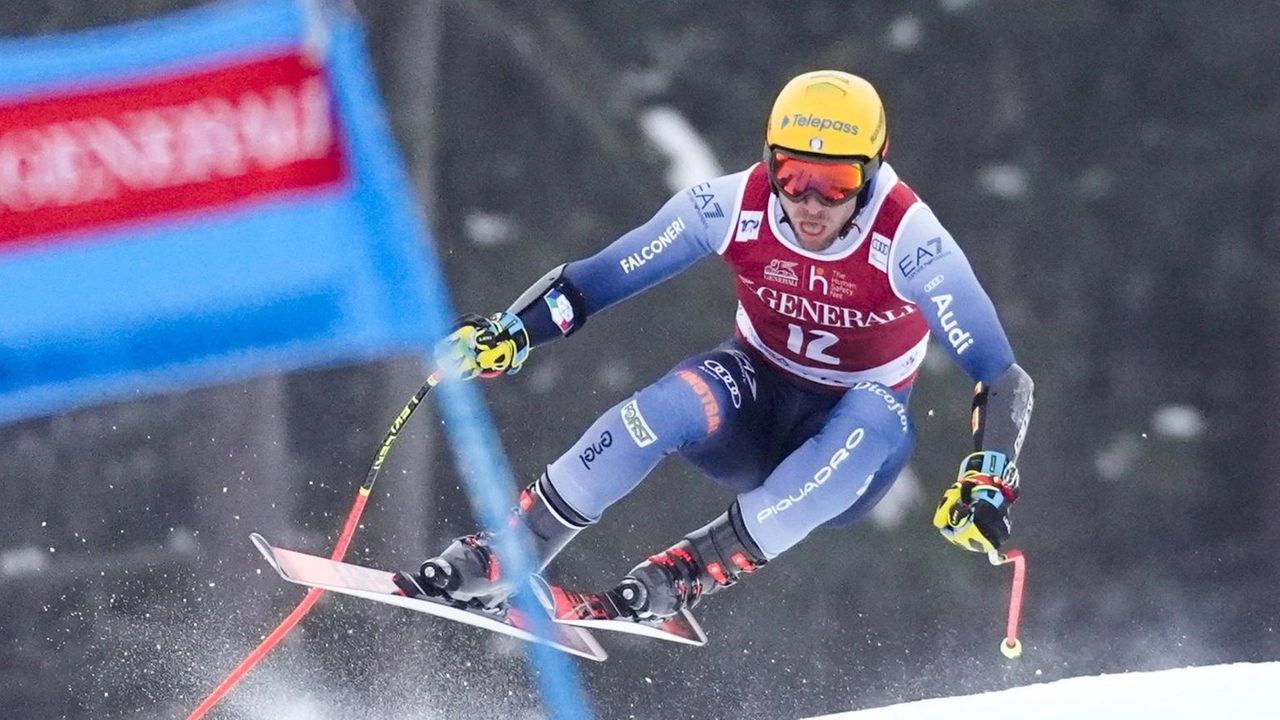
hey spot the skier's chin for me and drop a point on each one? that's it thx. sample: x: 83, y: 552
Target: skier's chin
x: 813, y: 234
x: 815, y: 225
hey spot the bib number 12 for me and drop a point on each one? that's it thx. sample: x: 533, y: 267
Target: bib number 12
x: 813, y: 345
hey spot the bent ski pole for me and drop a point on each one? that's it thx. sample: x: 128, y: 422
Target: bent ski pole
x: 339, y: 550
x: 1011, y: 646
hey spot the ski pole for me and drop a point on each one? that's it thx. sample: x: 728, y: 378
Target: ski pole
x: 339, y: 550
x: 1011, y: 646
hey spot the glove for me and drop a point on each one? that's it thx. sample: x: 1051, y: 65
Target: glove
x: 483, y: 347
x: 974, y: 512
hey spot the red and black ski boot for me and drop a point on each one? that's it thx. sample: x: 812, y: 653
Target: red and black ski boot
x: 469, y: 570
x: 702, y: 563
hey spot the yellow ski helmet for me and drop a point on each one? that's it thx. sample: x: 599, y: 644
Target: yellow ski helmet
x: 828, y: 112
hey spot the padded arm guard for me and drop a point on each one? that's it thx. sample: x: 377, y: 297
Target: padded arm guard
x: 1002, y: 411
x: 552, y: 307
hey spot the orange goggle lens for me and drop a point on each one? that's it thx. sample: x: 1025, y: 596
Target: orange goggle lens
x: 831, y: 182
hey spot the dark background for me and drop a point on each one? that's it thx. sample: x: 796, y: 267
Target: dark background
x: 1111, y: 169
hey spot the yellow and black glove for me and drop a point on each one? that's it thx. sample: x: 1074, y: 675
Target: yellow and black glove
x: 974, y: 512
x: 483, y: 347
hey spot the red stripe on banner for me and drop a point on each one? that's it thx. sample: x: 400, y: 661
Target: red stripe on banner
x: 179, y: 142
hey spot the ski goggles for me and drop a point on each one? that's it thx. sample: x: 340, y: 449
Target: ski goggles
x: 832, y: 182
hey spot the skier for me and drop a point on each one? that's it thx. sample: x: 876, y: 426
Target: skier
x: 842, y: 273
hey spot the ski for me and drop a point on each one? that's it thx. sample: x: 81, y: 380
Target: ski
x: 601, y: 611
x: 377, y: 585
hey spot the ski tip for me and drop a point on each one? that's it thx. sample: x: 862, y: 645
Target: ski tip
x: 265, y: 548
x: 697, y: 636
x: 594, y: 650
x: 543, y: 592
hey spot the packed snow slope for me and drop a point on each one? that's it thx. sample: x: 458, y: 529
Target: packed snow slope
x: 1232, y: 692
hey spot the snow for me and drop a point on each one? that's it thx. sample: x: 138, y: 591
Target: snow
x: 1117, y: 459
x: 905, y: 33
x: 489, y: 229
x: 1178, y: 422
x: 903, y: 497
x: 1007, y: 182
x: 1240, y: 691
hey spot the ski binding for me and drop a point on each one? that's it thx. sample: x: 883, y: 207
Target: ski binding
x: 377, y: 585
x: 602, y: 611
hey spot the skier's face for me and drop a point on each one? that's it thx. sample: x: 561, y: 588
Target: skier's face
x: 816, y: 225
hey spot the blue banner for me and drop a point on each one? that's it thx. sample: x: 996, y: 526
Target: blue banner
x: 199, y: 199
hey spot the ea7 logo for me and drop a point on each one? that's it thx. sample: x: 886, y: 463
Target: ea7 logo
x: 705, y: 200
x: 912, y: 262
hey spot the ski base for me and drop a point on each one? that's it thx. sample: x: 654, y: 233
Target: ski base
x: 377, y: 585
x: 600, y: 611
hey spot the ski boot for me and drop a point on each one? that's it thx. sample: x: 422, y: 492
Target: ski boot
x: 705, y: 561
x: 469, y: 572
